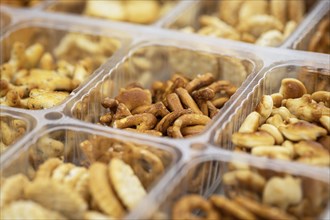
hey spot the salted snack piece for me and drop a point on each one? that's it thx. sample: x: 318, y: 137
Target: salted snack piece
x: 56, y: 197
x: 184, y: 208
x: 11, y: 130
x: 288, y: 125
x: 179, y: 107
x: 102, y: 191
x: 28, y: 210
x: 231, y: 207
x: 125, y: 183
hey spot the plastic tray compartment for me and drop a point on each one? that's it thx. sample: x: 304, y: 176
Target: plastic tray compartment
x: 76, y: 54
x: 189, y: 17
x: 151, y: 62
x: 4, y: 19
x: 13, y: 128
x: 314, y: 76
x: 83, y: 147
x: 266, y: 192
x: 316, y: 38
x: 142, y: 12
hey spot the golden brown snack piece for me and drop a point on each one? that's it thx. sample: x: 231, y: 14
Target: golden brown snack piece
x: 102, y: 191
x: 28, y: 210
x: 56, y: 197
x: 292, y: 88
x: 13, y: 189
x: 184, y: 208
x: 262, y: 211
x: 250, y: 140
x: 231, y: 207
x: 302, y: 131
x: 127, y: 186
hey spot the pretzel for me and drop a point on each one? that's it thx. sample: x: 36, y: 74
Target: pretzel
x: 188, y: 120
x: 184, y: 208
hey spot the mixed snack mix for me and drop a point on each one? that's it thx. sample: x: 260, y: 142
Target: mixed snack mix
x: 165, y: 109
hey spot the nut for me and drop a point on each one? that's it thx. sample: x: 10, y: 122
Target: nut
x: 265, y: 106
x: 272, y: 130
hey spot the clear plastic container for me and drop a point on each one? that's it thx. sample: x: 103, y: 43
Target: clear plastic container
x: 14, y: 126
x: 237, y: 187
x: 189, y: 20
x: 315, y: 77
x: 73, y: 54
x: 147, y: 53
x: 149, y: 62
x: 4, y: 19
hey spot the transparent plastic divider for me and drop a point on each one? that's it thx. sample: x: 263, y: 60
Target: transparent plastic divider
x: 188, y: 16
x: 203, y: 175
x: 314, y: 74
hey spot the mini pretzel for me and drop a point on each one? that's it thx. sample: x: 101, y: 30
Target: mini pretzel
x: 144, y: 121
x: 262, y: 211
x: 187, y: 100
x: 174, y: 102
x: 184, y: 208
x: 231, y: 207
x: 188, y: 120
x: 199, y: 82
x: 146, y: 165
x: 250, y: 140
x: 165, y: 123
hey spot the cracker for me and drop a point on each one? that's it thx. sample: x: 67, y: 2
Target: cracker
x: 128, y: 187
x: 102, y: 192
x: 57, y: 197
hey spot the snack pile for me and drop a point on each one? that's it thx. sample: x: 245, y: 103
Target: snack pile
x: 34, y: 78
x: 112, y: 181
x: 251, y: 193
x: 179, y: 107
x: 139, y: 12
x: 11, y: 130
x: 288, y: 125
x: 262, y: 22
